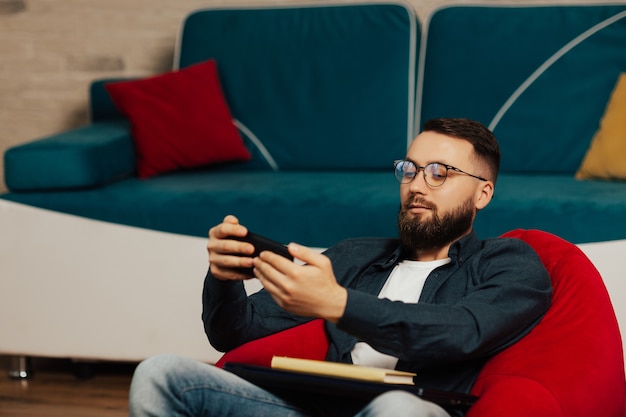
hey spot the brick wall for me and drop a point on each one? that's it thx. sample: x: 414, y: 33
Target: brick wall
x: 50, y: 50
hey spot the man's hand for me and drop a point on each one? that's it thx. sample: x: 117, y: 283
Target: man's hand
x: 227, y: 257
x: 309, y: 290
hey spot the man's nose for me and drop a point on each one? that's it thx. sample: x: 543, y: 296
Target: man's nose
x: 419, y: 185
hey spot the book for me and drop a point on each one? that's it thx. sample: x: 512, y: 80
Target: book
x: 359, y: 392
x: 343, y: 370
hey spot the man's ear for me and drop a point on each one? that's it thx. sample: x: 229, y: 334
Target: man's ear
x: 484, y: 194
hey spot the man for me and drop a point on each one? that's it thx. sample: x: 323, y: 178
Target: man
x: 438, y: 301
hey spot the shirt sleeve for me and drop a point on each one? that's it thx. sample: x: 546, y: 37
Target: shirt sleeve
x: 231, y: 317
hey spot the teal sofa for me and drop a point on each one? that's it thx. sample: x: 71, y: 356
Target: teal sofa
x: 540, y: 77
x: 324, y: 99
x: 333, y: 95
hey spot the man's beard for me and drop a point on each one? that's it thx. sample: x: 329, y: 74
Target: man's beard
x: 418, y: 235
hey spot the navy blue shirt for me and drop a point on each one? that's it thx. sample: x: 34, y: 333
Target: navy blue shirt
x: 489, y: 296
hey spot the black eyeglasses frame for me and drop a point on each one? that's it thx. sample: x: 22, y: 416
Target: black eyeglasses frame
x: 423, y: 169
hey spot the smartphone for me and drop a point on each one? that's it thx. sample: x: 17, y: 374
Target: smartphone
x: 261, y: 244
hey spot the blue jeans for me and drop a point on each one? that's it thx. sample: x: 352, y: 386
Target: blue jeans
x: 174, y: 386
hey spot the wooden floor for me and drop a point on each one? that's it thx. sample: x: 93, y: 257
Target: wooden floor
x: 56, y: 390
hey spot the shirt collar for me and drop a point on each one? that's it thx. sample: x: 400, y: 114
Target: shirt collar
x: 465, y: 247
x: 460, y: 250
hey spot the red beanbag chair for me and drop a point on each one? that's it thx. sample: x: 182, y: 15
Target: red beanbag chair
x: 571, y: 364
x: 306, y: 341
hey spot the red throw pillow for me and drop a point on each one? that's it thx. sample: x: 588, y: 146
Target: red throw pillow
x: 179, y: 119
x: 305, y: 341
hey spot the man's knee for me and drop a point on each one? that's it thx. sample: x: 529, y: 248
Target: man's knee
x: 153, y: 385
x: 154, y: 370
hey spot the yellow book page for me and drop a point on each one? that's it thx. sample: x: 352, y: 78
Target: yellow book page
x: 343, y: 370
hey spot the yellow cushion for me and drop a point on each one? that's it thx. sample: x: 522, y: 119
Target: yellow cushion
x: 606, y: 157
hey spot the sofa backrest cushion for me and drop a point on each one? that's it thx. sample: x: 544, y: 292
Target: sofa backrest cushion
x: 539, y: 76
x: 315, y: 87
x: 571, y: 364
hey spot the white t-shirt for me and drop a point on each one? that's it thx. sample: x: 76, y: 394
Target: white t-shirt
x: 404, y: 284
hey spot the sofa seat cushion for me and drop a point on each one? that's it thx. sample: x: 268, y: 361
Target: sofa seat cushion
x: 313, y: 208
x: 85, y: 157
x: 320, y: 208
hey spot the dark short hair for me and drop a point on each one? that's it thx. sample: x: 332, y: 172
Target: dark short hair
x: 482, y: 139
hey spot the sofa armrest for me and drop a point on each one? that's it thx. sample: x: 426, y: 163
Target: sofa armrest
x: 85, y: 157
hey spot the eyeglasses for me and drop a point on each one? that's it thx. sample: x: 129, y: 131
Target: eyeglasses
x: 435, y: 173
